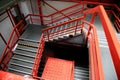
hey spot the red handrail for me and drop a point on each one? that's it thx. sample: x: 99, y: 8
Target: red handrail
x: 12, y: 40
x: 110, y: 35
x: 96, y: 70
x: 38, y: 56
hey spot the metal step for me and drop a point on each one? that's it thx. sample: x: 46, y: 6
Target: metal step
x: 25, y: 53
x: 28, y: 43
x: 23, y: 59
x: 29, y: 40
x: 81, y: 73
x: 19, y: 70
x: 21, y: 64
x: 27, y: 48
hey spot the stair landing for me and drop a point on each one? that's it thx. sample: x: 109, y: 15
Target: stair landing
x: 58, y: 69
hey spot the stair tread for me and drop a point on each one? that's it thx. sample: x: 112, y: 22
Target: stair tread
x: 19, y: 72
x: 21, y: 63
x: 24, y: 59
x: 29, y: 43
x: 26, y: 48
x: 19, y: 69
x: 25, y: 53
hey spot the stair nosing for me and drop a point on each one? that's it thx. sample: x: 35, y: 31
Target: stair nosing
x: 17, y: 53
x: 19, y: 71
x: 11, y: 63
x: 26, y: 50
x: 23, y: 60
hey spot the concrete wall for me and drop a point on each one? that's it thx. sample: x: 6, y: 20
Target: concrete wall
x: 5, y: 29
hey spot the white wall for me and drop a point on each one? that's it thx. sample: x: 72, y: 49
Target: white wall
x: 5, y: 29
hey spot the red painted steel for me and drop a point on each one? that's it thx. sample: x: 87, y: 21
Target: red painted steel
x: 95, y: 56
x: 38, y: 56
x: 64, y: 31
x: 3, y: 38
x: 56, y: 10
x: 96, y: 69
x: 7, y: 53
x: 110, y: 34
x: 117, y: 20
x: 10, y: 76
x: 58, y: 69
x: 40, y: 12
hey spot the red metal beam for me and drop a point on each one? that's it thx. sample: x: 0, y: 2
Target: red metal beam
x: 40, y: 12
x: 57, y: 10
x: 3, y: 38
x: 96, y: 62
x: 64, y: 9
x: 11, y: 76
x: 113, y: 42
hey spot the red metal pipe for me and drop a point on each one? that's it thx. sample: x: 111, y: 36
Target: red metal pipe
x: 56, y: 10
x: 10, y: 17
x: 3, y: 38
x: 63, y: 23
x: 13, y: 19
x: 3, y: 19
x: 40, y: 12
x: 64, y: 9
x: 110, y: 34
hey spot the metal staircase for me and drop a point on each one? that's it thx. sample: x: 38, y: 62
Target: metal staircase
x: 81, y: 73
x: 23, y: 57
x: 24, y: 53
x: 63, y: 30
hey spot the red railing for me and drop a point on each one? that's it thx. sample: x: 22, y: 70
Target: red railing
x: 110, y: 35
x: 73, y: 10
x: 10, y: 44
x: 92, y: 38
x: 95, y: 58
x: 116, y: 21
x: 38, y: 56
x: 70, y: 27
x: 94, y: 52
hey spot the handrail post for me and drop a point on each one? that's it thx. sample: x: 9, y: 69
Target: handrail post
x: 31, y: 19
x: 40, y: 12
x: 76, y: 27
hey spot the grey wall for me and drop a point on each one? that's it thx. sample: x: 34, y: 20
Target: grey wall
x: 5, y: 30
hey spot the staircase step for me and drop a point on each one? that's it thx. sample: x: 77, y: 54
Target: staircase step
x: 30, y: 40
x: 19, y: 70
x: 25, y: 53
x: 81, y: 78
x: 28, y: 43
x: 27, y: 48
x: 21, y: 63
x: 82, y: 68
x: 23, y: 59
x: 81, y: 73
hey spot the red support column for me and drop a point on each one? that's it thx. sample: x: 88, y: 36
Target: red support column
x: 40, y: 12
x: 3, y: 38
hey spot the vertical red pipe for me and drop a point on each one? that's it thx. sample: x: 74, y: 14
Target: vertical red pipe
x: 13, y: 24
x: 40, y: 12
x: 76, y: 27
x: 3, y: 38
x: 13, y: 19
x: 10, y: 17
x: 31, y: 19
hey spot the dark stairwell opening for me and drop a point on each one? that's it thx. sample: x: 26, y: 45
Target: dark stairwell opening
x: 77, y: 54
